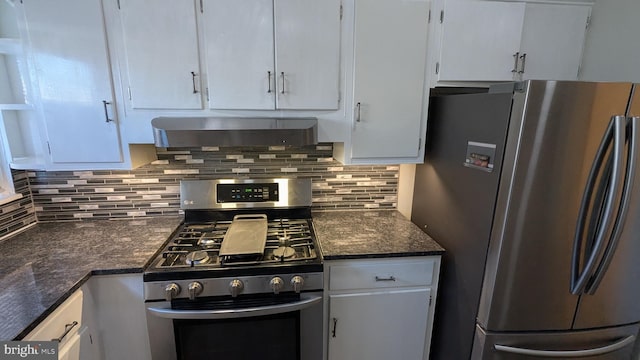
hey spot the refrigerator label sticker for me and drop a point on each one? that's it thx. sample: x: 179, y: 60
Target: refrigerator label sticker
x: 480, y: 156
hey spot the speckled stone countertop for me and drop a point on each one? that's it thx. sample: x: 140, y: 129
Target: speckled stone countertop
x: 43, y: 265
x: 370, y: 234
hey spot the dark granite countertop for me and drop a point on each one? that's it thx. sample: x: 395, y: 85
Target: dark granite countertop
x: 43, y: 265
x: 370, y: 234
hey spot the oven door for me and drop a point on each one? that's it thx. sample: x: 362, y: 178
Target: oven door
x: 290, y: 330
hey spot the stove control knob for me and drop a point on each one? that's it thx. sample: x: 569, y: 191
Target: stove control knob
x: 235, y: 287
x: 195, y: 289
x: 171, y: 291
x: 297, y: 282
x: 276, y: 284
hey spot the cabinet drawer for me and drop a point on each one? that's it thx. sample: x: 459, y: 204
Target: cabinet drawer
x: 381, y: 274
x: 54, y: 325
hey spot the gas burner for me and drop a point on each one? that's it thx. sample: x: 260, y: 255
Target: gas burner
x: 211, y: 239
x: 284, y: 240
x: 197, y: 258
x: 284, y: 252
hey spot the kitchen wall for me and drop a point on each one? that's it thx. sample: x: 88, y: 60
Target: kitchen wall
x: 18, y: 213
x: 611, y: 49
x: 153, y: 190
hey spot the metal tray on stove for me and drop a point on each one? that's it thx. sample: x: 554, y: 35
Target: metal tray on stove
x: 247, y: 235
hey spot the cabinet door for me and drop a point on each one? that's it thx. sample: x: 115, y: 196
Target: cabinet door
x: 553, y: 39
x: 238, y: 37
x: 378, y: 325
x: 161, y: 45
x: 307, y: 39
x: 71, y: 63
x: 479, y: 40
x: 71, y: 349
x: 390, y: 56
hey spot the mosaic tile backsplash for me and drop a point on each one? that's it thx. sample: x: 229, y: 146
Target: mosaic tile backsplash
x: 18, y: 213
x: 154, y: 189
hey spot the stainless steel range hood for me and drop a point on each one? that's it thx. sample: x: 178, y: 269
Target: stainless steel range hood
x: 227, y: 131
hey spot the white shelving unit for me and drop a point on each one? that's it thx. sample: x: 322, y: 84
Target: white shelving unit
x: 19, y: 120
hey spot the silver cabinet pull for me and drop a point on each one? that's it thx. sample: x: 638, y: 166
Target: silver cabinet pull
x: 193, y: 80
x: 390, y: 278
x: 358, y: 112
x: 516, y: 56
x: 269, y: 82
x: 106, y: 111
x: 335, y: 324
x: 282, y: 75
x: 67, y: 329
x: 523, y: 59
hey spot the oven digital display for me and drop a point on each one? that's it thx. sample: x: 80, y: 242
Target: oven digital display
x: 247, y: 192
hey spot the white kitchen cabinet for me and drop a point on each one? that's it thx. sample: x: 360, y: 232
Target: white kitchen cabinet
x: 121, y: 315
x: 240, y: 54
x: 279, y: 54
x: 74, y: 78
x: 69, y: 120
x: 389, y: 99
x: 482, y: 41
x: 307, y: 40
x: 161, y: 46
x: 74, y: 324
x: 553, y: 38
x: 381, y: 308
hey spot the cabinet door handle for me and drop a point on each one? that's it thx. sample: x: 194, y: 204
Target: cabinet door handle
x: 390, y: 278
x: 106, y: 111
x: 282, y: 76
x: 523, y: 57
x: 335, y: 324
x: 67, y: 329
x: 269, y: 82
x: 358, y: 112
x: 193, y: 80
x: 516, y: 56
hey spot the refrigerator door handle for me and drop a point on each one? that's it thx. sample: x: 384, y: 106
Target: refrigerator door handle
x: 568, y: 353
x: 632, y: 158
x: 615, y: 130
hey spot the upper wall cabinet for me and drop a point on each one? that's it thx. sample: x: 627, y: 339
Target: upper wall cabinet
x: 161, y: 45
x: 479, y: 41
x: 68, y: 120
x: 272, y: 54
x: 389, y: 102
x: 553, y: 38
x: 71, y: 64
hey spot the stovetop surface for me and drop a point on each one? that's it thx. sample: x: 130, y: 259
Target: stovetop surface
x: 192, y: 252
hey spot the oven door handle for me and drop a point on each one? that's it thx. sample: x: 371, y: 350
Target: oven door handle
x: 169, y: 313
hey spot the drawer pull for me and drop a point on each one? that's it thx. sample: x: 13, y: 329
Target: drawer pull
x: 335, y: 324
x: 390, y: 278
x: 67, y: 329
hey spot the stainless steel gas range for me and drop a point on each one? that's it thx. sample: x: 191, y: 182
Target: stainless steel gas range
x: 241, y: 277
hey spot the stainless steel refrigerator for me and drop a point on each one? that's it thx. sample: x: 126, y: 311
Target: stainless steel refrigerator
x: 532, y: 189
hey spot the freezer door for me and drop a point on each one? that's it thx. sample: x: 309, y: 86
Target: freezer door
x: 615, y: 300
x: 554, y: 132
x: 454, y: 203
x: 602, y: 344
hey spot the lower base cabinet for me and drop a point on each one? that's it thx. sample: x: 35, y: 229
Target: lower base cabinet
x: 121, y: 316
x: 110, y: 321
x: 381, y: 309
x: 74, y: 325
